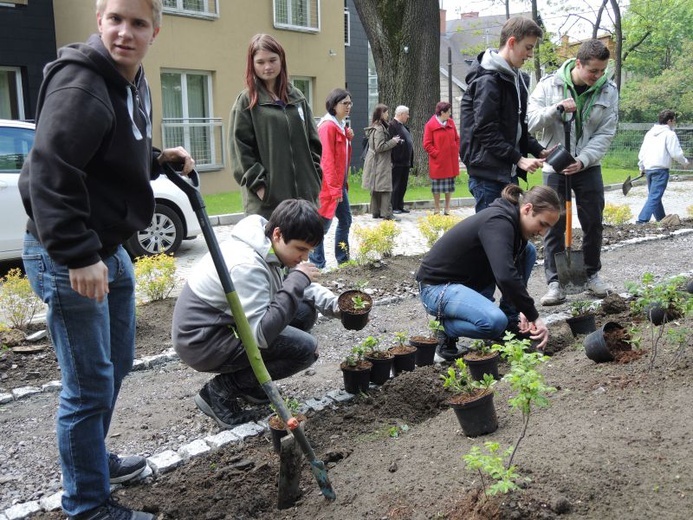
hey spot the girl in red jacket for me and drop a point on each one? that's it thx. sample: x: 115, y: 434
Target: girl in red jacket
x: 335, y: 137
x: 442, y: 142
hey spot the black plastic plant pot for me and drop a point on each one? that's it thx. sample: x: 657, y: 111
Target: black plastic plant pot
x: 689, y: 286
x: 582, y: 324
x: 595, y: 344
x: 479, y: 367
x: 477, y: 417
x: 357, y: 381
x: 277, y: 436
x: 658, y: 314
x: 405, y: 359
x: 381, y: 369
x: 560, y: 158
x: 354, y: 318
x: 425, y: 351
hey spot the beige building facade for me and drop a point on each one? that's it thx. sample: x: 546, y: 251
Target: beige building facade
x: 196, y: 67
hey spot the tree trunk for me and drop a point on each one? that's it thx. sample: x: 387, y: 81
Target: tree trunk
x: 618, y: 29
x: 405, y: 41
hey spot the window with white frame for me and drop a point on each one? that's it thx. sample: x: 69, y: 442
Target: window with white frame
x: 187, y: 117
x: 197, y: 8
x: 297, y: 15
x: 347, y: 28
x: 305, y: 85
x: 11, y: 93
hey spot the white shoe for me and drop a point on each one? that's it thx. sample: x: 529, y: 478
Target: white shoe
x: 597, y: 286
x: 554, y: 295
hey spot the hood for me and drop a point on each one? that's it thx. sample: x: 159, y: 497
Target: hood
x: 94, y: 55
x: 659, y: 129
x: 330, y: 118
x: 246, y: 231
x: 567, y: 67
x: 489, y: 62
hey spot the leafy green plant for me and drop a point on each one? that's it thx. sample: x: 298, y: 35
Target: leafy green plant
x: 355, y: 356
x: 481, y: 347
x: 434, y: 326
x: 523, y: 377
x: 581, y: 308
x: 400, y: 338
x: 678, y: 337
x: 617, y: 214
x: 395, y: 431
x: 359, y: 302
x: 17, y: 299
x: 370, y: 345
x: 432, y: 227
x: 491, y: 467
x: 155, y: 276
x: 667, y: 294
x: 458, y: 380
x: 375, y: 242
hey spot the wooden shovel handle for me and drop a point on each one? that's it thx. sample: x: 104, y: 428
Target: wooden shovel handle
x: 568, y: 213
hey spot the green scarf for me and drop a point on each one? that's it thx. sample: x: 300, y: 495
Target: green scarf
x: 584, y: 101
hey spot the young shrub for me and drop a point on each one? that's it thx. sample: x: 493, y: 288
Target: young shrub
x: 432, y: 227
x: 17, y: 299
x: 617, y: 214
x: 155, y: 276
x: 375, y: 242
x: 491, y: 467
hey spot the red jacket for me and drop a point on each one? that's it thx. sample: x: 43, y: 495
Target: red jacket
x: 442, y: 144
x: 336, y: 157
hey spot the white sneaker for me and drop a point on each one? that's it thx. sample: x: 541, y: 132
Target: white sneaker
x: 597, y: 286
x: 554, y: 295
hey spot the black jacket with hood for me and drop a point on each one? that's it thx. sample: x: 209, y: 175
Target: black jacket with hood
x: 85, y: 184
x: 493, y: 127
x: 481, y: 251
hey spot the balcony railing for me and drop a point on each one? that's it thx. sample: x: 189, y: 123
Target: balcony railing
x: 202, y: 137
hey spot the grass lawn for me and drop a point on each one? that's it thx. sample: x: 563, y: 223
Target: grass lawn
x: 418, y: 189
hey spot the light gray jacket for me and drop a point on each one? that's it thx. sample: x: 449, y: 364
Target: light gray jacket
x: 597, y: 131
x: 269, y: 296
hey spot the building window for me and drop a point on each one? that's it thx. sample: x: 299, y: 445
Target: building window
x: 347, y: 28
x: 11, y: 93
x: 187, y: 117
x: 297, y: 15
x: 194, y: 8
x: 305, y: 85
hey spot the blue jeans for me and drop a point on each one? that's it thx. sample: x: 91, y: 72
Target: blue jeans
x: 341, y: 235
x: 657, y: 181
x: 463, y: 311
x: 95, y: 346
x: 485, y: 191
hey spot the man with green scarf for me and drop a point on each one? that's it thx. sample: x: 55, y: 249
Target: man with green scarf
x: 579, y: 87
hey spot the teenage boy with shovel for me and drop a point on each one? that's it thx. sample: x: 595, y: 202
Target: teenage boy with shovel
x: 581, y: 87
x: 267, y: 262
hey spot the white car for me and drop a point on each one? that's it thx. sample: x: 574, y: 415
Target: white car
x: 173, y: 220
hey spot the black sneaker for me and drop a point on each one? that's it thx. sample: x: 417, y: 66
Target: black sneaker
x: 122, y: 469
x: 225, y: 410
x: 254, y: 397
x: 112, y: 510
x: 447, y: 347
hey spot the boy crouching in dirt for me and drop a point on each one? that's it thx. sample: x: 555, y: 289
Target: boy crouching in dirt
x: 281, y: 308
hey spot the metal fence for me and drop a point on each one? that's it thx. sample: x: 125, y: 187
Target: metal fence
x: 624, y: 149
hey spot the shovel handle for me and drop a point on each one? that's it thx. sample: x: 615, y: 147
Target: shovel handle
x: 568, y: 213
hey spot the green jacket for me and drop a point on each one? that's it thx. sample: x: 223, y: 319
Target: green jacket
x: 275, y: 147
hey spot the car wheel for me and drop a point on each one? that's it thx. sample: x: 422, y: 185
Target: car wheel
x: 164, y: 234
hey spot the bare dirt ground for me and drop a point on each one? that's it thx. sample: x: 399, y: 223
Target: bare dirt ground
x: 614, y: 443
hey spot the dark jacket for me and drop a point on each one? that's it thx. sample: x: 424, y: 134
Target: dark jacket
x: 403, y: 153
x: 275, y: 147
x: 85, y: 184
x: 491, y: 116
x: 480, y: 251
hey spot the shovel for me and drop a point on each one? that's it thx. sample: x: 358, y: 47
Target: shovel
x: 570, y: 264
x: 628, y: 183
x: 243, y: 327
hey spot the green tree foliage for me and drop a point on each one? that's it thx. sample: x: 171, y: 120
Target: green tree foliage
x: 642, y: 98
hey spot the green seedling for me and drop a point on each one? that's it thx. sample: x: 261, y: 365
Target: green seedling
x: 491, y: 467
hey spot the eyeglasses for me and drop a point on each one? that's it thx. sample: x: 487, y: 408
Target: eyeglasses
x: 346, y: 103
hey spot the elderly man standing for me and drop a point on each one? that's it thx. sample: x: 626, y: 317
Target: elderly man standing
x: 402, y: 158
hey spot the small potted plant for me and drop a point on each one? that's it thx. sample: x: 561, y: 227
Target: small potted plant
x: 426, y: 345
x: 278, y: 427
x: 405, y: 355
x: 607, y: 342
x: 581, y: 319
x: 355, y: 306
x: 482, y: 359
x: 661, y: 302
x: 356, y: 371
x: 472, y: 401
x: 382, y: 360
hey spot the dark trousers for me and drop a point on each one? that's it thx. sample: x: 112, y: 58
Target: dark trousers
x: 588, y: 188
x: 400, y: 178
